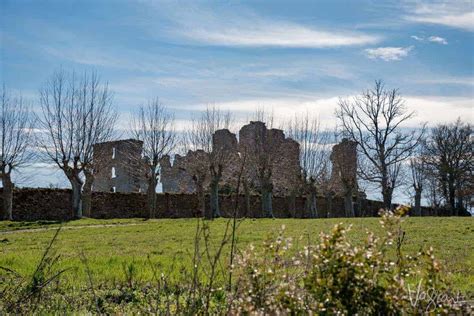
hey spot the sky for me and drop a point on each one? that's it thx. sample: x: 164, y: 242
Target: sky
x: 288, y: 56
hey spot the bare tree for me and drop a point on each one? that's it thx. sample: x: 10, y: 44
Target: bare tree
x: 450, y: 158
x: 76, y: 113
x: 418, y: 179
x: 262, y: 151
x: 314, y: 156
x: 154, y: 125
x: 101, y: 123
x: 374, y: 121
x: 266, y: 116
x: 15, y: 133
x: 201, y: 137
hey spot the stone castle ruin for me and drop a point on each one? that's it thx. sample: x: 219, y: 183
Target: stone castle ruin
x: 253, y: 138
x: 119, y: 164
x: 262, y: 147
x: 118, y: 167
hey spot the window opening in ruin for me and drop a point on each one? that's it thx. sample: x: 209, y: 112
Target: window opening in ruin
x: 113, y: 173
x: 113, y: 152
x: 113, y: 189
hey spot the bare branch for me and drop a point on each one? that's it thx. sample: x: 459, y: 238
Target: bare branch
x: 374, y: 121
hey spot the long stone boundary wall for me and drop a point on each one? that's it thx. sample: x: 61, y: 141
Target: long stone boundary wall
x: 54, y: 204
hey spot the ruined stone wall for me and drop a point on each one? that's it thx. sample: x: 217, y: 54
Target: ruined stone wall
x: 173, y: 177
x: 180, y: 176
x: 118, y: 165
x: 54, y: 204
x: 344, y: 167
x: 270, y: 147
x: 256, y: 142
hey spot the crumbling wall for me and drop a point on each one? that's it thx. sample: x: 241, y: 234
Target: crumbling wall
x: 284, y: 153
x: 173, y: 177
x: 119, y: 166
x: 281, y: 154
x: 344, y: 167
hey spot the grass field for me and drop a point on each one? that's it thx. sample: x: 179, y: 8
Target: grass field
x: 110, y: 245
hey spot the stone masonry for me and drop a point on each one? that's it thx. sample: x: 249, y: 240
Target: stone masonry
x: 344, y: 167
x: 119, y: 167
x: 283, y: 153
x: 54, y: 204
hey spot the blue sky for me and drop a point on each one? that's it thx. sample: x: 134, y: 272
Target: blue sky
x: 286, y: 55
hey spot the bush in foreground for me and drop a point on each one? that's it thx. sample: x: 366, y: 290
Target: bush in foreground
x: 283, y: 276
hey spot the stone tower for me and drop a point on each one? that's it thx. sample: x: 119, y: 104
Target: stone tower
x: 344, y: 167
x: 119, y: 166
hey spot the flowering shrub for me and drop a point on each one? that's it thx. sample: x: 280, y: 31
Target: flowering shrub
x: 336, y: 277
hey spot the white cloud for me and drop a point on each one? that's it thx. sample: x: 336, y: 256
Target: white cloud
x: 279, y: 35
x: 388, y: 53
x: 435, y: 109
x: 433, y: 39
x: 417, y: 38
x: 246, y: 29
x: 467, y: 81
x: 283, y: 108
x: 437, y: 39
x: 431, y: 109
x: 455, y: 14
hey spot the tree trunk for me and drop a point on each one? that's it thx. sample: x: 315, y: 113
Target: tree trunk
x: 417, y: 208
x: 452, y: 198
x: 87, y: 194
x: 348, y: 204
x: 7, y: 197
x: 292, y: 204
x: 387, y: 197
x: 386, y: 191
x: 214, y: 203
x: 267, y: 207
x: 247, y: 197
x: 202, y: 202
x: 459, y: 204
x: 311, y: 201
x: 360, y: 205
x: 76, y: 185
x: 151, y: 197
x: 329, y: 204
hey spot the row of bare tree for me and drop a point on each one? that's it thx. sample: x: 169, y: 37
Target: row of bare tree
x: 76, y: 111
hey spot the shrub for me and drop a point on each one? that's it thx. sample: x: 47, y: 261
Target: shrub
x: 337, y: 277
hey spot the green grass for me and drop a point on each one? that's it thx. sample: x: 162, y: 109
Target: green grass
x: 169, y: 243
x: 9, y: 226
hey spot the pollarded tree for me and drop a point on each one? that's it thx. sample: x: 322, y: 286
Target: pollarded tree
x: 374, y: 120
x: 101, y: 121
x: 262, y: 147
x: 76, y: 113
x: 314, y: 156
x: 154, y: 125
x: 215, y: 156
x: 418, y: 172
x: 15, y: 136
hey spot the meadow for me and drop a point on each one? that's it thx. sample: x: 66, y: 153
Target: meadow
x: 165, y: 245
